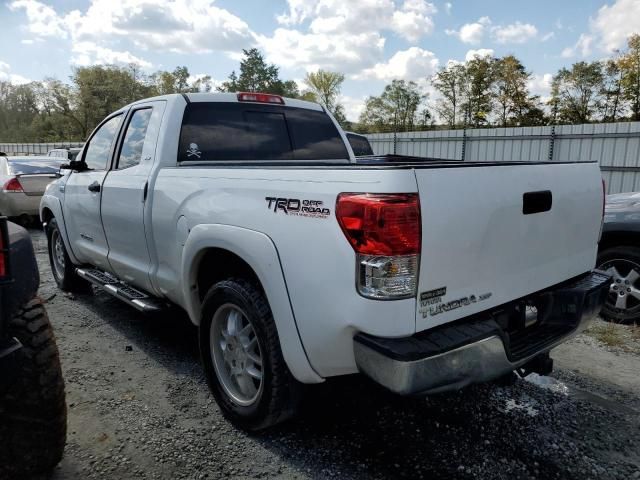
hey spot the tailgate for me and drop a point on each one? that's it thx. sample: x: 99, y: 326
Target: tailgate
x: 480, y: 250
x: 36, y: 184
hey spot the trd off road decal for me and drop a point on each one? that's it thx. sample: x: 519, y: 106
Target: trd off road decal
x: 298, y: 207
x: 431, y: 302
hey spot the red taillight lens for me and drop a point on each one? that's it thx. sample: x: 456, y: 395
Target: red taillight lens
x: 260, y: 98
x: 380, y: 224
x: 12, y: 185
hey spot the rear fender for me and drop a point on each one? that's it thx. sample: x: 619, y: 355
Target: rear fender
x: 257, y: 250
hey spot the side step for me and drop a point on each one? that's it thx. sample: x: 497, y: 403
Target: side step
x: 119, y: 289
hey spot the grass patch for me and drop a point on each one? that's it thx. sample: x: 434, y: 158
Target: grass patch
x: 610, y: 334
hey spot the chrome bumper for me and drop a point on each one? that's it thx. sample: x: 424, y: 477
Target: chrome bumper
x: 479, y: 349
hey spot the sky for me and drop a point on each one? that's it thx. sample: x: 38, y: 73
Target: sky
x: 370, y: 41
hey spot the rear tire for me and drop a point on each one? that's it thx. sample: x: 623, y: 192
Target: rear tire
x: 33, y: 412
x: 228, y: 358
x: 63, y: 270
x: 621, y: 262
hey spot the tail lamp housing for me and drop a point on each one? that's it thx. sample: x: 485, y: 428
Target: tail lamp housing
x: 12, y: 185
x: 385, y: 232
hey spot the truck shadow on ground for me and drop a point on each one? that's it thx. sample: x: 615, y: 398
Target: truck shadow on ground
x: 349, y: 427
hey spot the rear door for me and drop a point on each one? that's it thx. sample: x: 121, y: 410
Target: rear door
x: 124, y: 195
x: 493, y: 234
x: 83, y: 195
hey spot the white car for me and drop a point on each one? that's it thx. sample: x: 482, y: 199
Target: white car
x: 64, y: 153
x: 299, y: 262
x: 23, y: 181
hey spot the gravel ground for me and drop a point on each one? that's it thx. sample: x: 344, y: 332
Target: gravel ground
x: 139, y: 407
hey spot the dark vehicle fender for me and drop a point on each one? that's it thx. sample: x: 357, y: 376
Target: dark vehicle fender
x: 23, y: 270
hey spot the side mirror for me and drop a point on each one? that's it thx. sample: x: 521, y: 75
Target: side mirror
x: 75, y: 165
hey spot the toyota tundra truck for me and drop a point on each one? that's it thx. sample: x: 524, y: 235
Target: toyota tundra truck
x: 299, y: 261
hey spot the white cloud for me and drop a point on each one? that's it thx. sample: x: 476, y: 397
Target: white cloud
x: 344, y: 36
x: 471, y: 32
x: 352, y: 106
x: 582, y: 47
x: 481, y: 52
x: 7, y: 76
x: 614, y: 23
x: 311, y: 51
x: 180, y: 26
x: 541, y: 85
x: 608, y: 30
x: 410, y: 19
x: 514, y: 33
x: 43, y: 20
x: 447, y: 7
x: 547, y: 36
x: 88, y: 53
x: 412, y: 64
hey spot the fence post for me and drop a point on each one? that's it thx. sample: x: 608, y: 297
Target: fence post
x: 552, y: 141
x: 395, y: 142
x: 464, y: 141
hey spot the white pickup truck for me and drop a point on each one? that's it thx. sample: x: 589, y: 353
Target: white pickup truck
x: 299, y: 261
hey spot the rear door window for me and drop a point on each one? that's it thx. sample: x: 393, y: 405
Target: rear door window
x: 133, y: 144
x: 243, y: 132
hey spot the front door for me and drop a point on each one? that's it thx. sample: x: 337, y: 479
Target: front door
x: 83, y: 194
x: 124, y: 195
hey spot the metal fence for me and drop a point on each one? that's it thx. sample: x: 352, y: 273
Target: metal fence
x: 35, y: 148
x: 615, y: 146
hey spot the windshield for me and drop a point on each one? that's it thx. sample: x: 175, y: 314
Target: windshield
x: 30, y: 167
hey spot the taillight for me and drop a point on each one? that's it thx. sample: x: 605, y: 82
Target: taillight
x: 13, y: 185
x: 260, y: 98
x: 384, y: 231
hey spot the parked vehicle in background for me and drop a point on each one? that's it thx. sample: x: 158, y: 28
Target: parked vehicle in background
x: 619, y: 255
x: 64, y: 153
x: 33, y: 412
x: 299, y: 261
x: 359, y: 144
x: 23, y: 181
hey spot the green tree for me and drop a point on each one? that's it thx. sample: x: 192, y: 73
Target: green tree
x: 477, y: 87
x: 611, y: 90
x: 178, y: 82
x: 326, y: 87
x: 448, y: 82
x: 575, y: 93
x: 630, y: 76
x: 395, y: 109
x: 512, y: 97
x: 258, y: 76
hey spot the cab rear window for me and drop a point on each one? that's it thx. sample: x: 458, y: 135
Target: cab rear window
x: 244, y: 132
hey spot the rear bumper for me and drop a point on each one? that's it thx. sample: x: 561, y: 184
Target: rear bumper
x: 14, y: 204
x: 485, y: 346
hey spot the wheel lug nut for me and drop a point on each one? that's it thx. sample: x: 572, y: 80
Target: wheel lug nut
x: 629, y: 290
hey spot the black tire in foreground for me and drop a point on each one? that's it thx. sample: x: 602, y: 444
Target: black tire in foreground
x: 623, y: 302
x: 241, y: 354
x: 33, y: 412
x: 63, y: 270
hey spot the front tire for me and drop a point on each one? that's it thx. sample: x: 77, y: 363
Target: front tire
x: 33, y: 412
x: 63, y: 270
x: 623, y: 302
x: 242, y: 359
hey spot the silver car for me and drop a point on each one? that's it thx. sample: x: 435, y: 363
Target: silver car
x: 23, y: 181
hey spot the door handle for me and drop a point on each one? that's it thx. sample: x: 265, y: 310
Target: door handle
x: 94, y: 187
